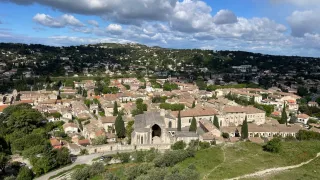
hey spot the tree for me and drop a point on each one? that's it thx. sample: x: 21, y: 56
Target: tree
x: 129, y: 130
x: 194, y: 104
x: 25, y: 174
x: 4, y: 158
x: 273, y: 145
x: 193, y: 126
x: 216, y: 121
x: 119, y: 126
x: 244, y: 129
x: 293, y: 119
x: 99, y: 140
x: 62, y: 156
x: 284, y: 117
x: 115, y: 109
x: 179, y: 122
x: 302, y: 91
x: 225, y: 135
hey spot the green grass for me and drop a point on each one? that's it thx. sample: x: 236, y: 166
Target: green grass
x: 245, y: 157
x: 205, y: 160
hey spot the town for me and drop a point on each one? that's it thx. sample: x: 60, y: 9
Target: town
x: 106, y: 109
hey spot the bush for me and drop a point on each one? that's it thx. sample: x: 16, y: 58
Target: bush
x: 273, y: 145
x: 123, y: 157
x: 154, y: 174
x: 170, y: 158
x: 204, y: 145
x: 81, y: 174
x: 135, y: 171
x: 308, y: 135
x: 25, y: 174
x: 178, y: 145
x: 225, y: 135
x: 96, y: 168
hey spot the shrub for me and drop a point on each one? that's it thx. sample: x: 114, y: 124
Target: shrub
x: 225, y: 135
x: 204, y: 145
x: 178, y: 145
x: 123, y: 157
x: 273, y: 145
x: 81, y: 174
x: 308, y: 135
x: 170, y: 158
x: 25, y: 174
x: 135, y: 171
x: 96, y: 168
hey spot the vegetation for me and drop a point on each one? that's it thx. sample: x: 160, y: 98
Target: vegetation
x: 167, y: 86
x: 172, y: 107
x: 141, y: 107
x: 284, y: 117
x: 274, y: 145
x: 193, y: 126
x: 129, y: 130
x: 308, y: 135
x: 159, y: 99
x: 119, y: 126
x: 115, y: 109
x: 216, y: 121
x: 244, y: 129
x: 178, y: 145
x: 179, y: 122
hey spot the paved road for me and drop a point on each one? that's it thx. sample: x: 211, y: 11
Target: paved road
x: 87, y: 159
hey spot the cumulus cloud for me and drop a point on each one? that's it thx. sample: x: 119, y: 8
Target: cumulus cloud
x: 191, y: 16
x: 302, y: 22
x: 114, y: 28
x: 225, y: 17
x: 60, y: 22
x: 300, y: 3
x: 115, y: 10
x: 93, y: 23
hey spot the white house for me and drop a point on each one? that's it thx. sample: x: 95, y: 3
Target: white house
x: 303, y: 118
x: 70, y: 128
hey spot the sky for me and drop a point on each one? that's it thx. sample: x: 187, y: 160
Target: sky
x: 280, y: 27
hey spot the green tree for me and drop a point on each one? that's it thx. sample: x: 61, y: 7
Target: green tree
x: 25, y: 174
x: 284, y: 117
x: 193, y: 126
x: 119, y: 126
x: 115, y: 109
x: 302, y: 91
x: 99, y: 140
x: 179, y: 122
x: 244, y: 129
x: 273, y: 145
x: 194, y: 104
x: 129, y: 130
x: 62, y: 156
x: 4, y: 159
x: 178, y: 145
x: 216, y: 121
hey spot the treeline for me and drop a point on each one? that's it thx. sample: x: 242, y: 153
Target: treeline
x: 172, y: 107
x: 24, y: 131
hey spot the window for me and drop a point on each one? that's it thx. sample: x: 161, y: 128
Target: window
x: 189, y: 120
x: 170, y: 124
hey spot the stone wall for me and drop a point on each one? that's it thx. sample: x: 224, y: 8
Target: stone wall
x: 118, y: 147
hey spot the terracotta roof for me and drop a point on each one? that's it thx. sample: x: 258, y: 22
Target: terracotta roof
x: 276, y: 113
x: 242, y: 109
x: 100, y: 133
x: 196, y: 112
x: 108, y: 119
x: 54, y: 142
x: 84, y: 142
x: 303, y: 116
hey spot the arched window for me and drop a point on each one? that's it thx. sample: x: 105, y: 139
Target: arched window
x: 170, y: 124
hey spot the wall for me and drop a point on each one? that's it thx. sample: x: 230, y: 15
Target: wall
x: 117, y: 147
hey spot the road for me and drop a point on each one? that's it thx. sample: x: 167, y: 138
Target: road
x: 87, y: 159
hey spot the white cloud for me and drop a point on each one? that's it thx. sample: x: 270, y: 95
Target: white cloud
x: 225, y: 17
x: 60, y: 22
x: 302, y: 22
x: 114, y: 28
x: 191, y: 16
x: 93, y: 23
x: 299, y: 3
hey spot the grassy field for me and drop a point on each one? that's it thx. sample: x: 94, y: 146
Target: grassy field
x: 309, y: 171
x: 244, y: 158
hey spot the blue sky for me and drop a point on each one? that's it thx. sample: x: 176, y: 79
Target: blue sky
x: 286, y: 27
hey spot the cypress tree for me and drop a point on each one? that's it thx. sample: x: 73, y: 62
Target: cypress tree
x: 216, y: 122
x: 284, y: 117
x: 244, y: 129
x: 193, y: 126
x: 119, y: 126
x: 115, y: 109
x: 193, y: 104
x: 179, y: 122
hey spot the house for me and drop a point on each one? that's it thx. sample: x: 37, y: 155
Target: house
x: 84, y: 142
x: 235, y: 115
x: 111, y: 138
x: 74, y: 149
x: 303, y: 118
x: 70, y: 128
x: 107, y: 122
x: 55, y: 143
x: 313, y: 104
